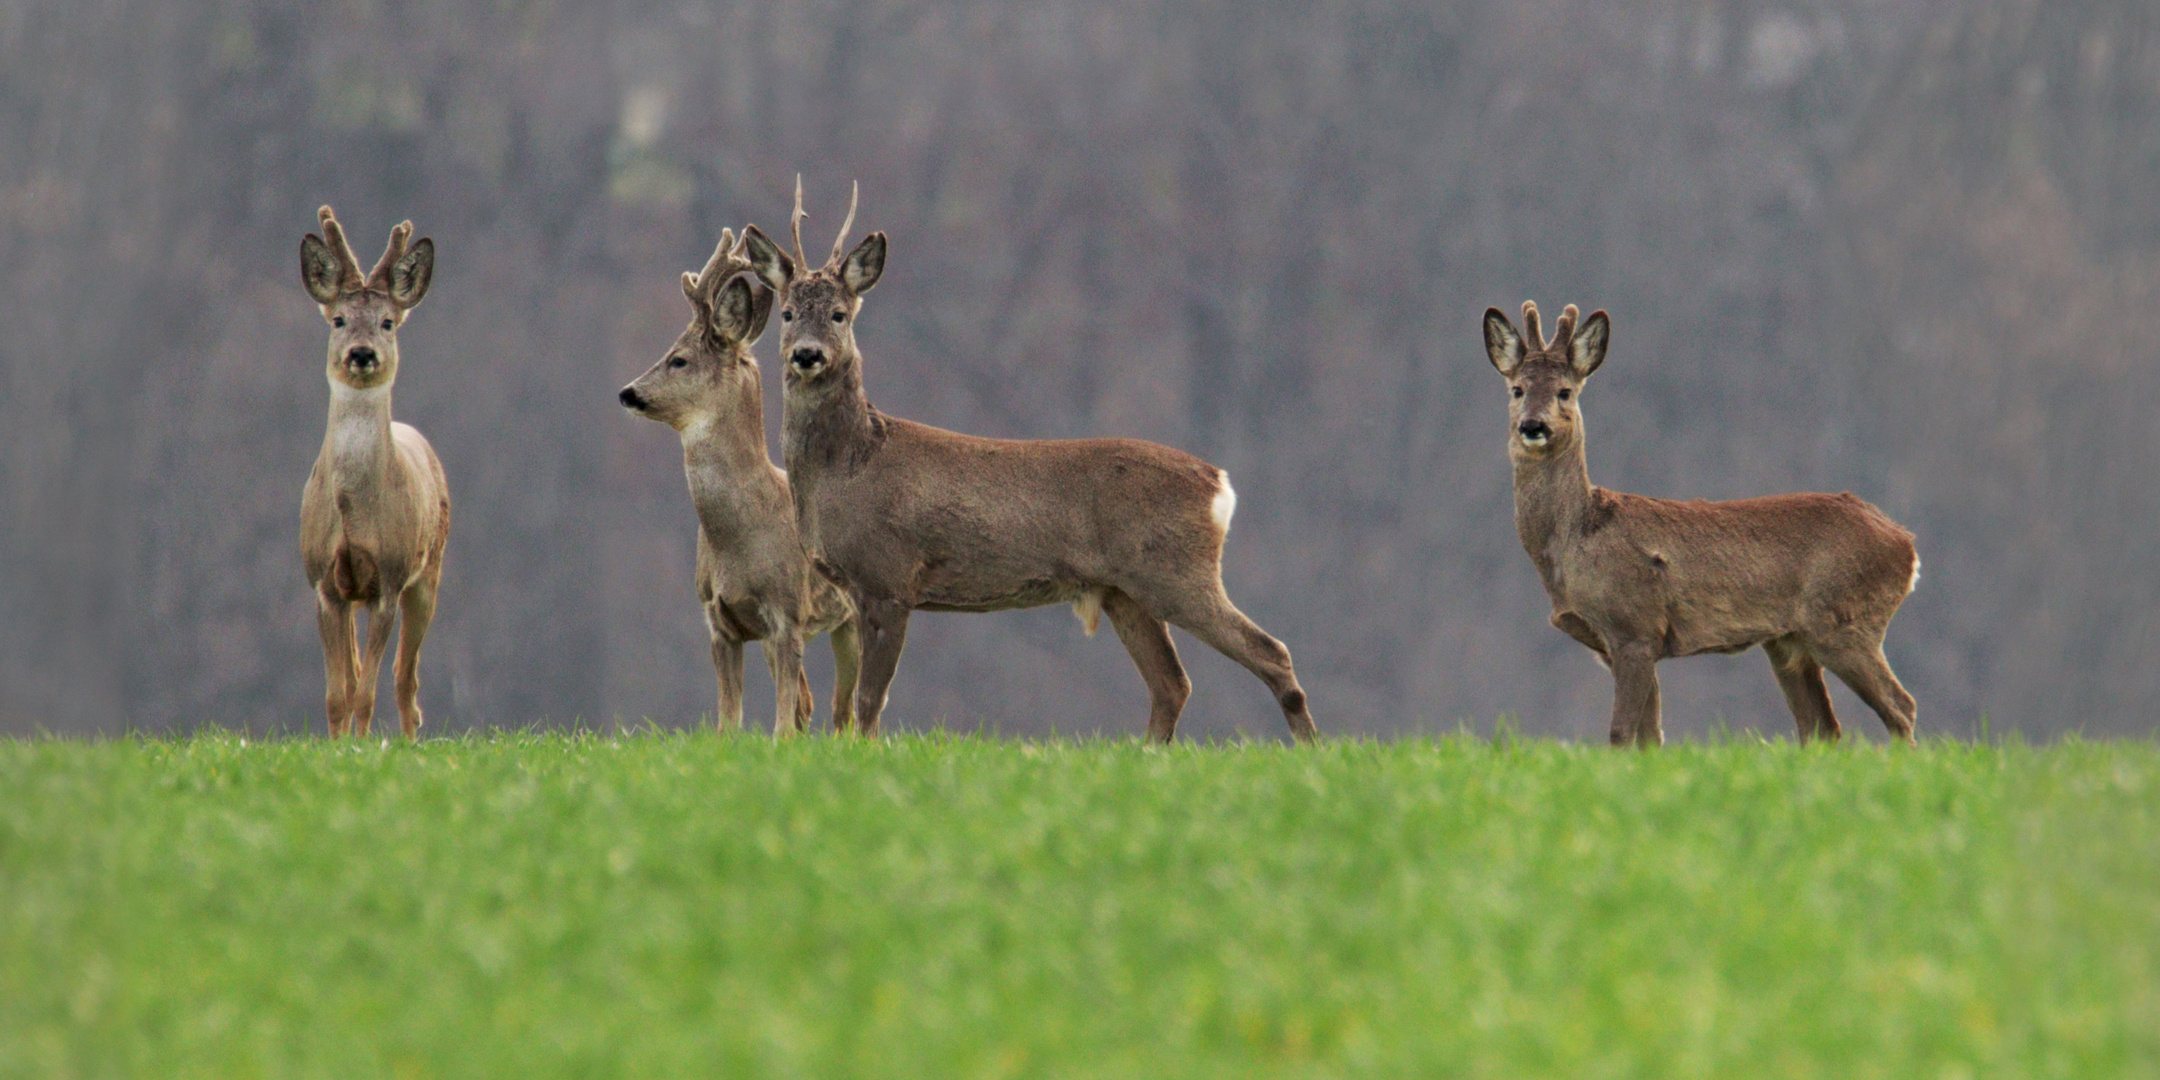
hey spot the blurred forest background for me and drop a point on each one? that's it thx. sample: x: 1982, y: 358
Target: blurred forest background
x: 1907, y: 248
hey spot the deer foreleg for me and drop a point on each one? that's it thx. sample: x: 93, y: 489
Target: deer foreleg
x: 418, y: 606
x: 783, y: 655
x: 382, y: 619
x: 884, y: 632
x: 334, y: 618
x: 847, y: 669
x: 1635, y: 696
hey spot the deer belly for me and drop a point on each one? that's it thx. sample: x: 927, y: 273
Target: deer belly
x: 1693, y: 637
x: 1033, y: 593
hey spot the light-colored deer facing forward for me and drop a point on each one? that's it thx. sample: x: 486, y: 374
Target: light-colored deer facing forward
x: 906, y: 516
x: 376, y: 513
x: 1813, y: 579
x: 754, y: 579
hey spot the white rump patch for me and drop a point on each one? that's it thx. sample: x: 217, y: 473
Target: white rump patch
x: 1225, y: 503
x: 1088, y: 608
x: 1915, y: 582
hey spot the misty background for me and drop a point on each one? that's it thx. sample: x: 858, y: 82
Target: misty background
x: 1907, y: 248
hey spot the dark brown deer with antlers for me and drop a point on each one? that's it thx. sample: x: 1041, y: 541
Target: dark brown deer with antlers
x: 1813, y: 579
x: 754, y: 579
x: 376, y: 512
x: 906, y: 516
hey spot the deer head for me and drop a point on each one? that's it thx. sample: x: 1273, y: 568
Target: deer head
x: 712, y: 354
x: 364, y: 312
x: 817, y: 308
x: 1545, y: 380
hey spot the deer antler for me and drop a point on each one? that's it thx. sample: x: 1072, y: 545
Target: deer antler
x: 1533, y: 337
x: 349, y: 279
x: 854, y: 190
x: 379, y: 278
x: 727, y: 259
x: 795, y: 226
x: 1564, y: 331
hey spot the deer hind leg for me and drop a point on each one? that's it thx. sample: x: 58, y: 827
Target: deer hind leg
x: 1635, y: 716
x: 334, y: 618
x: 847, y: 669
x: 1215, y: 620
x: 1147, y: 639
x: 382, y: 621
x: 418, y: 606
x: 1800, y: 677
x: 883, y: 626
x: 1862, y: 666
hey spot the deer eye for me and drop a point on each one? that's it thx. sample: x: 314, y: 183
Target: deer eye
x: 1518, y: 390
x: 1566, y: 394
x: 677, y: 362
x: 839, y: 316
x: 787, y: 314
x: 386, y: 324
x: 338, y: 321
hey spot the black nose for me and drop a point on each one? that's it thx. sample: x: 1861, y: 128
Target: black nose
x: 805, y: 356
x: 630, y: 399
x: 1534, y: 429
x: 361, y: 356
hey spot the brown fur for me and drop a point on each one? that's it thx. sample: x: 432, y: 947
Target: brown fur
x: 375, y: 515
x: 754, y: 580
x: 1813, y: 579
x: 907, y: 516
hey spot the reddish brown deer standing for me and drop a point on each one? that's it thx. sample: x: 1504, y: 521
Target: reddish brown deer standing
x: 754, y: 580
x: 906, y: 516
x: 1813, y: 579
x: 376, y: 512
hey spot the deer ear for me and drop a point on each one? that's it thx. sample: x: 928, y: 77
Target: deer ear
x: 1587, y: 349
x: 864, y: 265
x: 1503, y: 346
x: 761, y: 299
x: 734, y: 310
x: 318, y: 269
x: 410, y: 276
x: 767, y: 261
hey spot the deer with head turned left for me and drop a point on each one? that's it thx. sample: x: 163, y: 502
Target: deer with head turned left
x: 754, y: 579
x: 375, y: 515
x: 1813, y: 579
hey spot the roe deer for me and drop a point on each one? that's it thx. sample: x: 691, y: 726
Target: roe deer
x: 754, y: 580
x: 906, y: 516
x: 376, y: 512
x: 1813, y: 579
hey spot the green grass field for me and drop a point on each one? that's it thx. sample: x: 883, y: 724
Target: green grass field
x: 685, y: 905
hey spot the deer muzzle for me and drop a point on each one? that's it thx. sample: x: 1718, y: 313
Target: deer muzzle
x: 1534, y: 432
x: 805, y: 357
x: 631, y: 399
x: 362, y: 358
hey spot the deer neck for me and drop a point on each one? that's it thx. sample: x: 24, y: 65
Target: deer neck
x: 1553, y: 505
x: 361, y: 452
x: 724, y: 456
x: 830, y: 427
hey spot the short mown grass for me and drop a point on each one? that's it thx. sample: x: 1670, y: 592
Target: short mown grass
x: 687, y: 905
